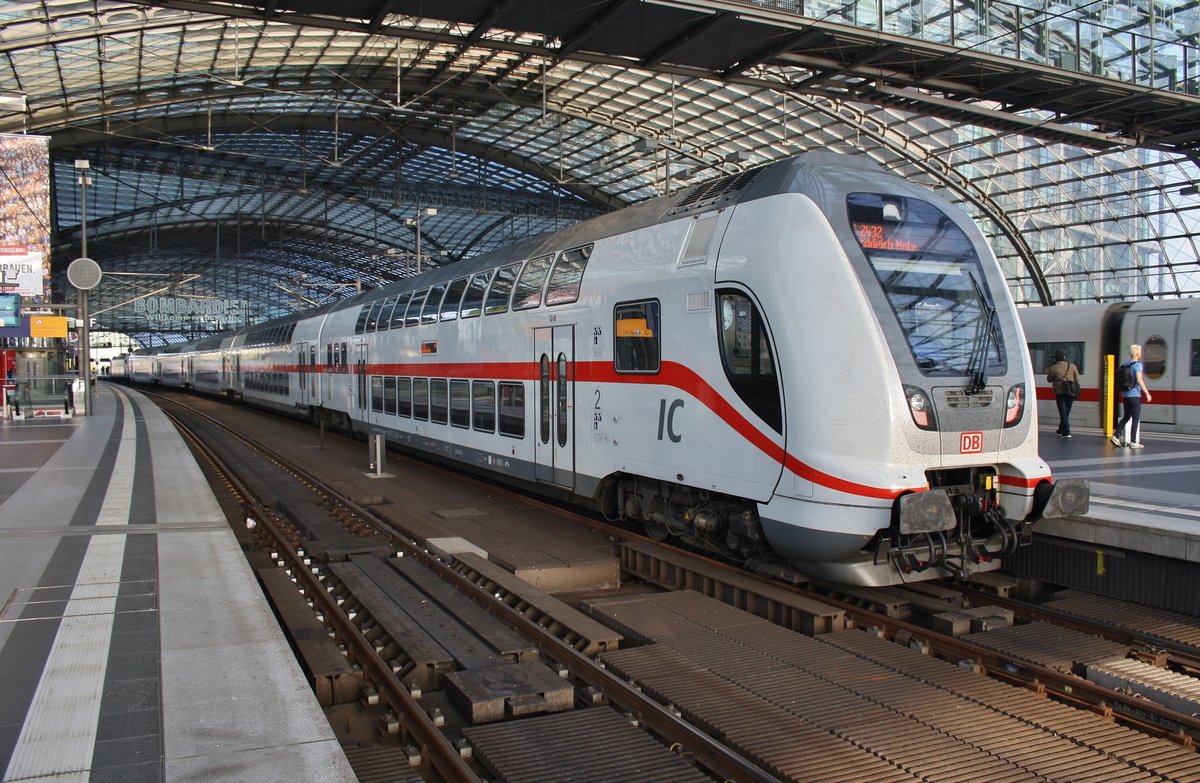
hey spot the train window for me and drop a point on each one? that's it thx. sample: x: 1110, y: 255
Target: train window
x: 512, y: 410
x: 345, y: 360
x: 1154, y: 357
x: 377, y: 393
x: 404, y: 397
x: 420, y: 394
x: 567, y: 276
x: 396, y: 320
x: 502, y: 286
x: 413, y: 316
x: 429, y: 313
x: 385, y: 313
x: 472, y: 303
x: 636, y: 337
x: 1041, y: 355
x: 483, y: 406
x: 1195, y: 358
x: 453, y: 296
x: 561, y: 383
x: 544, y: 398
x: 389, y: 396
x: 746, y: 353
x: 460, y: 403
x: 437, y: 401
x: 329, y: 357
x: 528, y: 292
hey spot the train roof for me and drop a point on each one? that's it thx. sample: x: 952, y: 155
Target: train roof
x: 799, y: 173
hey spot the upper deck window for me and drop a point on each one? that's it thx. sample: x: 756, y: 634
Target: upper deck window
x: 430, y: 313
x: 567, y: 276
x: 413, y: 314
x: 472, y: 303
x: 502, y: 286
x: 453, y: 296
x: 529, y: 287
x: 397, y: 319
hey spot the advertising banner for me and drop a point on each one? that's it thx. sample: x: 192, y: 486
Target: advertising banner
x: 25, y: 215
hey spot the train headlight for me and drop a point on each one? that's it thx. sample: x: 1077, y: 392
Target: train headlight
x: 921, y: 408
x: 1014, y: 406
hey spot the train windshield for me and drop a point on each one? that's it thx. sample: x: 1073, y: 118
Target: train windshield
x: 933, y: 279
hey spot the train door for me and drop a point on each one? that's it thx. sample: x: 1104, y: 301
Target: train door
x: 1157, y: 336
x: 554, y: 435
x: 361, y: 395
x: 305, y: 372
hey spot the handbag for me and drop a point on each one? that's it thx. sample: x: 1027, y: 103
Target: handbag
x: 1071, y: 387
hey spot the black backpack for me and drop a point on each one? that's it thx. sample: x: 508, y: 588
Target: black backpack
x: 1126, y: 377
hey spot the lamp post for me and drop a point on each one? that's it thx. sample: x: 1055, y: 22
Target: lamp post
x: 86, y: 273
x: 416, y: 223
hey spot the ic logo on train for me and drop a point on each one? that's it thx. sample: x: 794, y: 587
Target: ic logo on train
x: 970, y: 443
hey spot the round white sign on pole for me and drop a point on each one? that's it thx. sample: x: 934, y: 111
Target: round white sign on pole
x: 84, y: 274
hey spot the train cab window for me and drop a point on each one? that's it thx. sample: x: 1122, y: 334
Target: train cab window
x: 460, y: 403
x: 483, y: 406
x: 746, y: 353
x: 377, y: 394
x: 1195, y: 358
x: 438, y: 404
x: 528, y: 292
x: 1041, y: 355
x: 396, y: 321
x: 472, y: 303
x: 567, y: 276
x: 389, y: 396
x: 404, y: 397
x: 385, y: 313
x: 430, y: 312
x: 512, y: 409
x: 636, y: 338
x: 453, y: 296
x: 420, y: 395
x: 502, y: 286
x: 413, y: 314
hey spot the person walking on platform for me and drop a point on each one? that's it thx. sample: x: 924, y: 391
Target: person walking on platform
x: 1064, y: 376
x: 1131, y: 401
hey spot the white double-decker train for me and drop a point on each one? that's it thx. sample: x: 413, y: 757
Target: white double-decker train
x: 811, y: 363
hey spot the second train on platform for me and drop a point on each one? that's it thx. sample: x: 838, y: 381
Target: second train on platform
x: 812, y: 364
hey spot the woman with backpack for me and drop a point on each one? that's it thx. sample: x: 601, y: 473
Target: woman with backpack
x: 1132, y: 392
x: 1064, y: 376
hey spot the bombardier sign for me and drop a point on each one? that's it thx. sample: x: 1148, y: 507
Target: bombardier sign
x: 177, y: 309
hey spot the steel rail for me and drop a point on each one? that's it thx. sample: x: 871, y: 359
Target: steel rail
x: 434, y: 745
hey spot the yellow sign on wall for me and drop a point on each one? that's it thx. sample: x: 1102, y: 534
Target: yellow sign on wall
x: 47, y: 326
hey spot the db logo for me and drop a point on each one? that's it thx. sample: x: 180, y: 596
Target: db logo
x: 970, y: 443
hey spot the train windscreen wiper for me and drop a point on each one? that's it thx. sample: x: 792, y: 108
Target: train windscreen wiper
x: 979, y: 356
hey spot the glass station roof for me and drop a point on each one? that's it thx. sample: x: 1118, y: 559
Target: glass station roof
x: 273, y: 155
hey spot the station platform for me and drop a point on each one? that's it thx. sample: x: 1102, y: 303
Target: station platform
x: 135, y: 643
x: 1144, y: 500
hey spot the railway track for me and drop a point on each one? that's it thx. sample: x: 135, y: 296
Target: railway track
x: 804, y: 720
x: 355, y: 570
